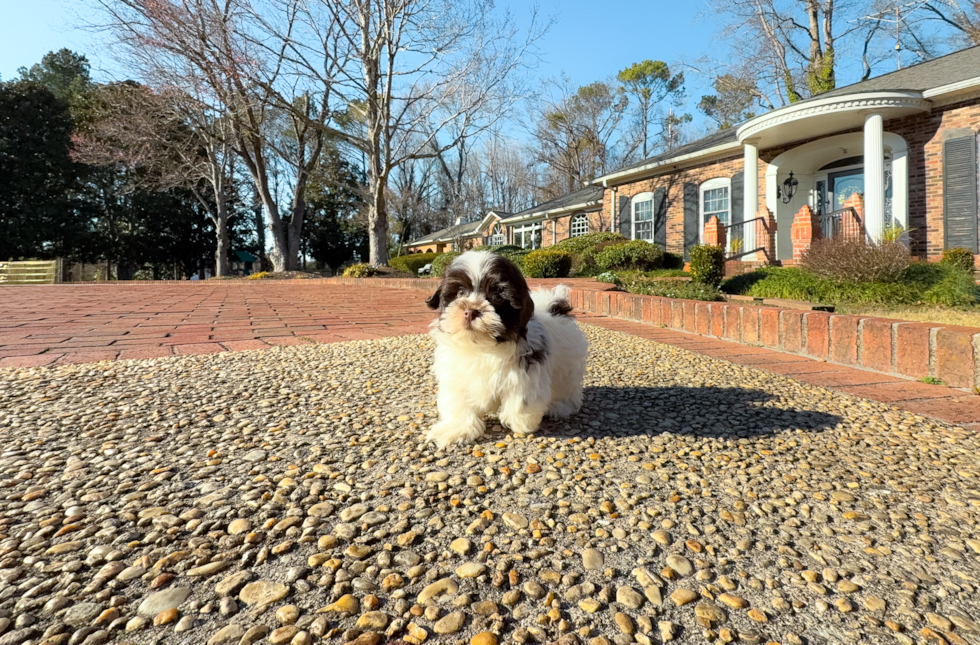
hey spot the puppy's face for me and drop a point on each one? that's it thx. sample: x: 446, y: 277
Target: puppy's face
x: 483, y: 297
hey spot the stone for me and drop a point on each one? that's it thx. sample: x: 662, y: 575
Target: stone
x: 470, y: 570
x: 373, y: 620
x: 450, y: 624
x: 709, y: 614
x: 227, y: 635
x: 165, y: 617
x: 324, y: 509
x: 230, y: 585
x: 287, y: 614
x: 283, y: 635
x: 682, y: 596
x: 163, y: 600
x: 515, y: 521
x: 624, y: 623
x: 346, y: 604
x: 209, y: 569
x: 239, y: 526
x: 484, y: 638
x: 263, y: 592
x: 735, y: 602
x: 83, y: 613
x: 461, y: 546
x: 680, y: 564
x: 592, y: 560
x: 438, y: 588
x: 629, y: 597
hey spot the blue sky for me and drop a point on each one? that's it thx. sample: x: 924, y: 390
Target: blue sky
x: 590, y: 40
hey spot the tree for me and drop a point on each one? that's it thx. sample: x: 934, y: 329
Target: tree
x: 650, y: 82
x: 38, y: 216
x: 574, y: 136
x: 336, y: 230
x: 176, y: 140
x: 732, y: 102
x: 65, y: 74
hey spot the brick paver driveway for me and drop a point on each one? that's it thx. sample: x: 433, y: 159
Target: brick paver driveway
x: 81, y: 323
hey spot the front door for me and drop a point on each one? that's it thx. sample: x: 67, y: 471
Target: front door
x: 844, y: 184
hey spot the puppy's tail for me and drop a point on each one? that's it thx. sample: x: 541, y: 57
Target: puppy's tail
x: 554, y: 302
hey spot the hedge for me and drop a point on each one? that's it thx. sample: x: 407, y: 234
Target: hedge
x: 707, y: 264
x: 442, y: 262
x: 412, y: 263
x: 359, y: 271
x: 582, y: 242
x: 547, y: 263
x: 634, y: 255
x: 959, y: 258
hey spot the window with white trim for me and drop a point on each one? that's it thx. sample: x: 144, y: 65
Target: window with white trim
x: 528, y: 236
x: 496, y: 237
x: 716, y: 201
x: 642, y: 215
x: 579, y: 225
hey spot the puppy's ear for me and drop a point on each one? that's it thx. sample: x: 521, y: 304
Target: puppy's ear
x: 433, y: 301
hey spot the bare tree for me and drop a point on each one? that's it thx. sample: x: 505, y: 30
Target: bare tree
x: 177, y: 140
x: 426, y: 74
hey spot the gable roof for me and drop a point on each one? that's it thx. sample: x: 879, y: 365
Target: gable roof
x: 447, y: 234
x: 581, y: 198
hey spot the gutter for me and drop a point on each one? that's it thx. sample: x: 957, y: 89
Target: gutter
x: 969, y: 83
x: 548, y: 213
x: 637, y: 173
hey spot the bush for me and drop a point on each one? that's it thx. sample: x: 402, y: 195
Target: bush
x: 959, y: 258
x: 673, y: 261
x: 259, y: 276
x: 578, y: 245
x: 707, y: 264
x: 634, y: 255
x: 502, y: 249
x: 957, y: 289
x: 144, y: 273
x: 442, y: 262
x: 547, y: 263
x: 517, y: 256
x: 412, y: 263
x: 636, y: 282
x: 359, y: 271
x: 922, y: 282
x: 856, y: 259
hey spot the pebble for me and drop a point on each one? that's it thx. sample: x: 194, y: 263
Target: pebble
x: 262, y: 592
x: 163, y: 600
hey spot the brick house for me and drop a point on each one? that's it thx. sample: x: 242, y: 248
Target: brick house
x: 486, y: 231
x: 548, y: 223
x: 898, y: 149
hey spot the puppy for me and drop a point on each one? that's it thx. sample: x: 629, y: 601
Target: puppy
x: 502, y: 350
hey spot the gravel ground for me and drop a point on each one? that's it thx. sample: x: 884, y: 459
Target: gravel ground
x: 286, y: 495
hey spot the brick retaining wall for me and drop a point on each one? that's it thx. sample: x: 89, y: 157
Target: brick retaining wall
x: 897, y: 347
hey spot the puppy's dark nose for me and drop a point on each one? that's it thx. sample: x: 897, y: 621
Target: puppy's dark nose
x: 471, y: 314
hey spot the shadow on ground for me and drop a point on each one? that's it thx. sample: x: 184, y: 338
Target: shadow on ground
x: 706, y: 412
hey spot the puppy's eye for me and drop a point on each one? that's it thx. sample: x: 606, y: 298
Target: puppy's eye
x: 461, y: 292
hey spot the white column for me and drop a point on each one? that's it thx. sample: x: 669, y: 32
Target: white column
x: 750, y: 193
x: 874, y: 176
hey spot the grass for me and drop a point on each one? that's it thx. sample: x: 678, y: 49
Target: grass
x: 659, y: 284
x: 962, y: 316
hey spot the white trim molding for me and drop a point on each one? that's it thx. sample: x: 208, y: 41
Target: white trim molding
x: 632, y: 174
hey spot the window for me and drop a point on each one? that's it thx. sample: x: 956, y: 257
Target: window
x: 528, y: 236
x: 579, y: 225
x: 643, y: 217
x: 496, y: 237
x: 716, y: 201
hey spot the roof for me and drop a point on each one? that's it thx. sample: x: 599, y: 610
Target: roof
x: 929, y: 75
x: 573, y: 199
x: 245, y: 256
x: 448, y: 233
x: 945, y: 70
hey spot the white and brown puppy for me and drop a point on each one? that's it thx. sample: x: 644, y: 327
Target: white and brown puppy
x: 502, y: 350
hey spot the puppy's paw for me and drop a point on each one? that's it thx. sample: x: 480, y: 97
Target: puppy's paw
x: 445, y: 433
x: 563, y: 409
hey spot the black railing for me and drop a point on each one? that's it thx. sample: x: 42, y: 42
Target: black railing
x: 735, y: 239
x: 832, y: 225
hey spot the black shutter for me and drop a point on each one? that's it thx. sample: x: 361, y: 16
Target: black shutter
x: 660, y: 218
x: 738, y: 197
x: 691, y: 210
x: 960, y: 192
x: 625, y: 219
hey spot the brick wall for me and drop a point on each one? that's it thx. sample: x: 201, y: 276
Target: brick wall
x: 897, y: 347
x: 557, y: 229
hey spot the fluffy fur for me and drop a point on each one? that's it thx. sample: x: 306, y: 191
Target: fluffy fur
x: 502, y: 350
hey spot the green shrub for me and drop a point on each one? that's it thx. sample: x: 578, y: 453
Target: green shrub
x: 261, y: 275
x: 637, y: 282
x: 442, y: 262
x: 959, y: 258
x: 922, y: 282
x: 634, y: 255
x: 673, y: 261
x: 412, y: 263
x: 957, y: 289
x: 707, y: 264
x: 517, y: 256
x: 144, y: 273
x: 856, y: 259
x: 582, y: 242
x: 359, y: 271
x: 547, y: 263
x: 502, y: 249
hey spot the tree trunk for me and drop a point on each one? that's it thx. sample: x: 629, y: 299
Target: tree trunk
x: 280, y: 253
x: 295, y: 230
x: 377, y: 221
x: 260, y: 234
x: 221, y: 249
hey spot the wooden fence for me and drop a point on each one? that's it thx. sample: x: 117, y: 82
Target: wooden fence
x: 30, y: 272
